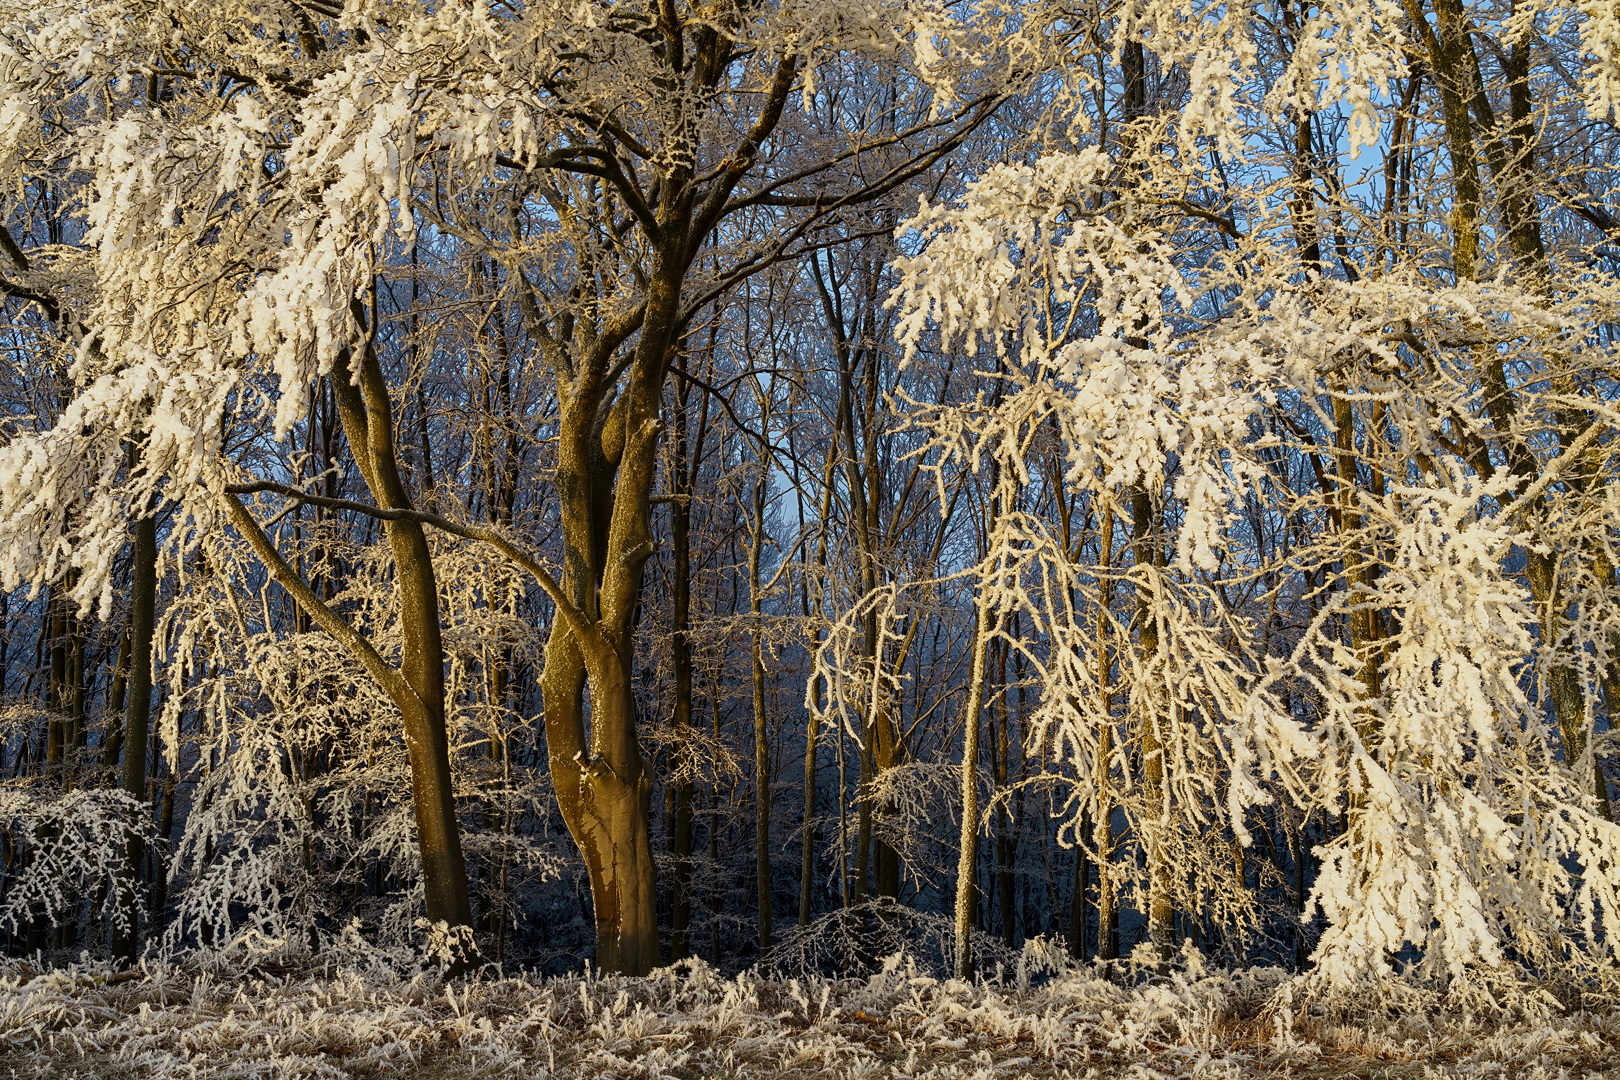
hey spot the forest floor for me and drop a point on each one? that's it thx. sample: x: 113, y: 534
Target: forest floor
x: 86, y: 1022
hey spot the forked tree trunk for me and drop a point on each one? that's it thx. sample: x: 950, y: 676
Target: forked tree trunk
x: 604, y: 798
x: 604, y: 477
x: 608, y: 433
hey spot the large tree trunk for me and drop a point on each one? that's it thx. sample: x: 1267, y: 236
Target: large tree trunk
x: 605, y: 470
x: 604, y: 796
x: 607, y: 441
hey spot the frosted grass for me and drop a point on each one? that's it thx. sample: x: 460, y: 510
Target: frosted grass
x: 690, y: 1021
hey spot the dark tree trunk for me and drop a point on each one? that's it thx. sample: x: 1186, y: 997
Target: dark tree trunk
x: 137, y: 715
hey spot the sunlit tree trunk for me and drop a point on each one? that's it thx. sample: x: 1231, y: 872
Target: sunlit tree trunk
x: 417, y: 686
x: 1000, y: 752
x: 968, y: 838
x: 368, y: 423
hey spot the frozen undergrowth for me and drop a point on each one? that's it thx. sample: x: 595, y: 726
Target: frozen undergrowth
x: 88, y: 1021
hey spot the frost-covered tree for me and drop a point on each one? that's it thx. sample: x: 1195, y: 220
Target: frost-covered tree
x: 242, y: 178
x: 1150, y: 366
x: 1149, y: 462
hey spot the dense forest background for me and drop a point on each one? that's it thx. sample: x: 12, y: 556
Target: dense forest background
x: 786, y: 482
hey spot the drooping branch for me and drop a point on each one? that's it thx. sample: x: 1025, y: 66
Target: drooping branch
x: 483, y: 533
x: 330, y: 621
